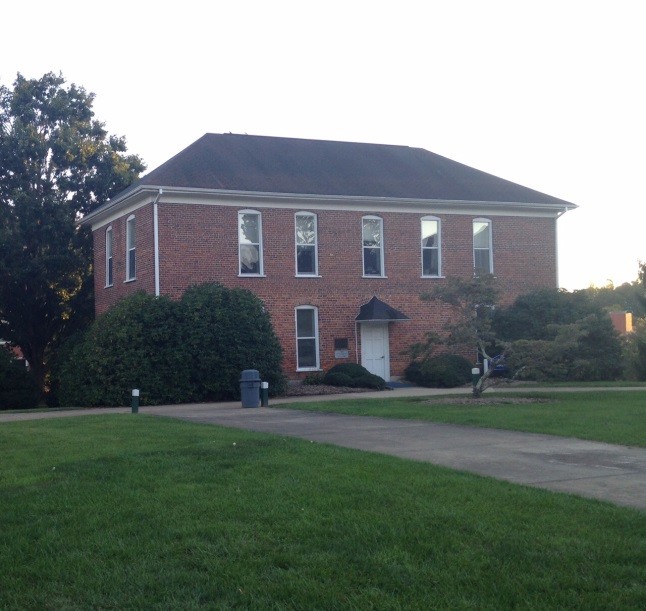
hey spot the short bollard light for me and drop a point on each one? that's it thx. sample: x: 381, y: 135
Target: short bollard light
x: 475, y: 376
x: 264, y: 394
x: 135, y: 400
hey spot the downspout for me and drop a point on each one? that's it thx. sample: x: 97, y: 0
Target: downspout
x: 156, y: 240
x: 556, y: 237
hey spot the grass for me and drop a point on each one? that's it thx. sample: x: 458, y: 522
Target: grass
x: 598, y: 384
x: 122, y: 511
x: 614, y: 417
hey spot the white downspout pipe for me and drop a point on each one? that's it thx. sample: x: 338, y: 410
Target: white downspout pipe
x: 556, y: 237
x: 156, y: 240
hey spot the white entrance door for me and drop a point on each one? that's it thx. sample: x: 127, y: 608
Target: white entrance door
x: 375, y: 356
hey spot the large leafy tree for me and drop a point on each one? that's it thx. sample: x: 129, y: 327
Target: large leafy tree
x: 57, y: 162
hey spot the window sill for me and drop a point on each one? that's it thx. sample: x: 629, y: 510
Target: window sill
x: 252, y: 275
x: 308, y: 276
x: 129, y: 280
x: 308, y: 369
x: 433, y: 277
x: 108, y: 286
x: 376, y: 277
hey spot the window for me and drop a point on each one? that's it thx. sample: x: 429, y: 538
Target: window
x: 431, y: 264
x: 306, y: 244
x: 482, y: 250
x: 131, y: 259
x: 307, y: 338
x: 108, y: 256
x: 373, y: 252
x: 250, y: 243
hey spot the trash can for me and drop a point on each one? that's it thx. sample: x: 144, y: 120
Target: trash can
x: 250, y: 388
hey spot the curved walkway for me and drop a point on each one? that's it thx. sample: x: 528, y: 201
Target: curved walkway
x: 586, y: 468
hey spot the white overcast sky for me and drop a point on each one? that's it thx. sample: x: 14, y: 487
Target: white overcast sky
x: 550, y: 94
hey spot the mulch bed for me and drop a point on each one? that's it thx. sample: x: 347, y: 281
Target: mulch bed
x: 306, y: 390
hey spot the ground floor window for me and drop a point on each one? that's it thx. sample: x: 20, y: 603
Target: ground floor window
x: 307, y: 338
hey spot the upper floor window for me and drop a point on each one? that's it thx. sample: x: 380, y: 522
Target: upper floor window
x: 431, y: 246
x: 250, y: 242
x: 131, y: 258
x: 373, y: 250
x: 307, y: 338
x: 306, y: 244
x: 482, y: 247
x: 108, y: 257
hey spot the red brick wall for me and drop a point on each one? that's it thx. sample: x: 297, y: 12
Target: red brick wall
x: 145, y: 265
x: 199, y: 243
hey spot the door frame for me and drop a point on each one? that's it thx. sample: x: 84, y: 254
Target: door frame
x: 373, y: 325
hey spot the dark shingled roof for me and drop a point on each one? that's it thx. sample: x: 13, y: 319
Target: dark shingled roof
x: 265, y: 164
x: 376, y: 309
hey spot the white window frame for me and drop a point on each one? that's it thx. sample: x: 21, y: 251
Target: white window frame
x: 381, y: 247
x: 438, y: 247
x: 315, y: 313
x: 489, y: 248
x: 109, y: 258
x: 314, y: 273
x: 259, y: 244
x: 131, y: 230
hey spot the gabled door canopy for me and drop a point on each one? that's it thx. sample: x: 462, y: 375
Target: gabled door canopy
x: 379, y: 311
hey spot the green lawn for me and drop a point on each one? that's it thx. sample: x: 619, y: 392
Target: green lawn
x: 134, y: 512
x: 613, y: 416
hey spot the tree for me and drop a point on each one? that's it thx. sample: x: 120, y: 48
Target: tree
x: 56, y: 164
x: 470, y: 325
x: 557, y: 335
x: 531, y: 314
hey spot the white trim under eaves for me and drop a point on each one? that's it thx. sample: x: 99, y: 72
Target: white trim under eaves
x: 218, y: 197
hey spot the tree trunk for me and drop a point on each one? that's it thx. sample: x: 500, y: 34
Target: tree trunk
x: 36, y: 358
x: 481, y: 384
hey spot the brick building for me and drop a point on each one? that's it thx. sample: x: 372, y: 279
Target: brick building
x: 338, y: 239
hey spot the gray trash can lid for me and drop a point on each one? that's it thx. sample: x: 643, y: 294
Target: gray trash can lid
x: 250, y: 375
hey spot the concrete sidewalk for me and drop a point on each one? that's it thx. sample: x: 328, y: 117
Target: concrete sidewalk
x: 591, y: 469
x: 586, y: 468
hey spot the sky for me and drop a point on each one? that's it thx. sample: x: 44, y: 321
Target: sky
x: 548, y: 94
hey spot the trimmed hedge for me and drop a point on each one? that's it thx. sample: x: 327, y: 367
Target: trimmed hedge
x: 442, y: 371
x: 173, y: 351
x: 353, y: 375
x: 18, y: 389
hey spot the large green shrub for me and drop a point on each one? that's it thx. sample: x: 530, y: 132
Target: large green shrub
x: 136, y: 344
x: 227, y: 331
x: 353, y: 375
x: 18, y: 389
x: 173, y: 351
x: 557, y: 335
x: 587, y: 350
x: 441, y: 371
